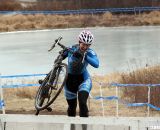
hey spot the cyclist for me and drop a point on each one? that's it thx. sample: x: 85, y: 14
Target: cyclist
x: 79, y: 81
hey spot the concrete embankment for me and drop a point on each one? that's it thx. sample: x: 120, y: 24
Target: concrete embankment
x: 52, y: 122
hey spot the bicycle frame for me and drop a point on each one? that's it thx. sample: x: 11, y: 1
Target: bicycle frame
x: 49, y: 84
x: 58, y: 61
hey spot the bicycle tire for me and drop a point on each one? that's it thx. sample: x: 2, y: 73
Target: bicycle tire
x: 41, y: 106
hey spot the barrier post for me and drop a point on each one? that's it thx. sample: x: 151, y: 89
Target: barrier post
x: 1, y: 93
x: 149, y: 98
x: 102, y: 99
x: 117, y: 109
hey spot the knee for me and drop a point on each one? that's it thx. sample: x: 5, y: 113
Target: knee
x: 82, y: 97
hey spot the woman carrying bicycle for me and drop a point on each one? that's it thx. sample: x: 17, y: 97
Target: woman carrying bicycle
x: 79, y: 84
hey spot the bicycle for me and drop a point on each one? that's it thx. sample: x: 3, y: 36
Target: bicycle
x: 52, y: 84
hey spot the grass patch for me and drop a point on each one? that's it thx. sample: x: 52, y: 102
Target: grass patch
x: 40, y: 21
x: 147, y: 75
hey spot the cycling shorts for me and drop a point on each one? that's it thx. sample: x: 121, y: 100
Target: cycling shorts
x: 75, y: 84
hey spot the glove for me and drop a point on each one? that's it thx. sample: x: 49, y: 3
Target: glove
x: 78, y: 54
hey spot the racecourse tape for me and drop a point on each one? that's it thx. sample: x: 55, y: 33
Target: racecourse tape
x: 25, y: 75
x: 126, y: 103
x: 96, y: 97
x: 134, y: 85
x: 1, y: 103
x: 19, y: 85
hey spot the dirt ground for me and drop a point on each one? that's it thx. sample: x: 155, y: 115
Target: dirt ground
x: 26, y: 106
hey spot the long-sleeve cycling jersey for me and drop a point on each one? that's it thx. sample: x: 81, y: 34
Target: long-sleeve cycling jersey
x: 76, y: 67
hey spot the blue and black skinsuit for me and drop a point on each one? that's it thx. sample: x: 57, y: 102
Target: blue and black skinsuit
x: 79, y: 81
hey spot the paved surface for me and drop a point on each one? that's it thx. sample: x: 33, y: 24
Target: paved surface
x: 118, y: 49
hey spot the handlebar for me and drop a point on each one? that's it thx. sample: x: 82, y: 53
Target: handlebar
x: 57, y: 41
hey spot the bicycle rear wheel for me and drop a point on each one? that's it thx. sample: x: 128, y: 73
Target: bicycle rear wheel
x: 58, y: 81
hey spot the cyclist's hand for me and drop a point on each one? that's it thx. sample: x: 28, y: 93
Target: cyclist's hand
x: 78, y: 54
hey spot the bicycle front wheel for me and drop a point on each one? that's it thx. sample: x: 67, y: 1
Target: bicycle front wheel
x: 59, y: 78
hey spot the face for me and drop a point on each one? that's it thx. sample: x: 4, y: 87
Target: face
x: 83, y: 47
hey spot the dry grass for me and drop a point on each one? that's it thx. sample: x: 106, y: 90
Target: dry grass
x: 148, y: 75
x: 39, y: 21
x: 152, y: 18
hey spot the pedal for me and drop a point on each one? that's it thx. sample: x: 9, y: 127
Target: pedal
x: 40, y: 81
x: 49, y: 109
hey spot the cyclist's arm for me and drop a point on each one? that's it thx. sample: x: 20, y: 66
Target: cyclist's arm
x: 92, y: 59
x: 65, y: 54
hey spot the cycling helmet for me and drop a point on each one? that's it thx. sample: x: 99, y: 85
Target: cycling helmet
x: 86, y: 37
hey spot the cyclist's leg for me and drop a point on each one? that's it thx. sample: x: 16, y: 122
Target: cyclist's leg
x: 83, y: 93
x: 71, y: 89
x: 82, y: 98
x: 72, y: 105
x: 71, y: 98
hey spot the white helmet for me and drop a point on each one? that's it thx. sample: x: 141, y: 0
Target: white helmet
x: 86, y: 37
